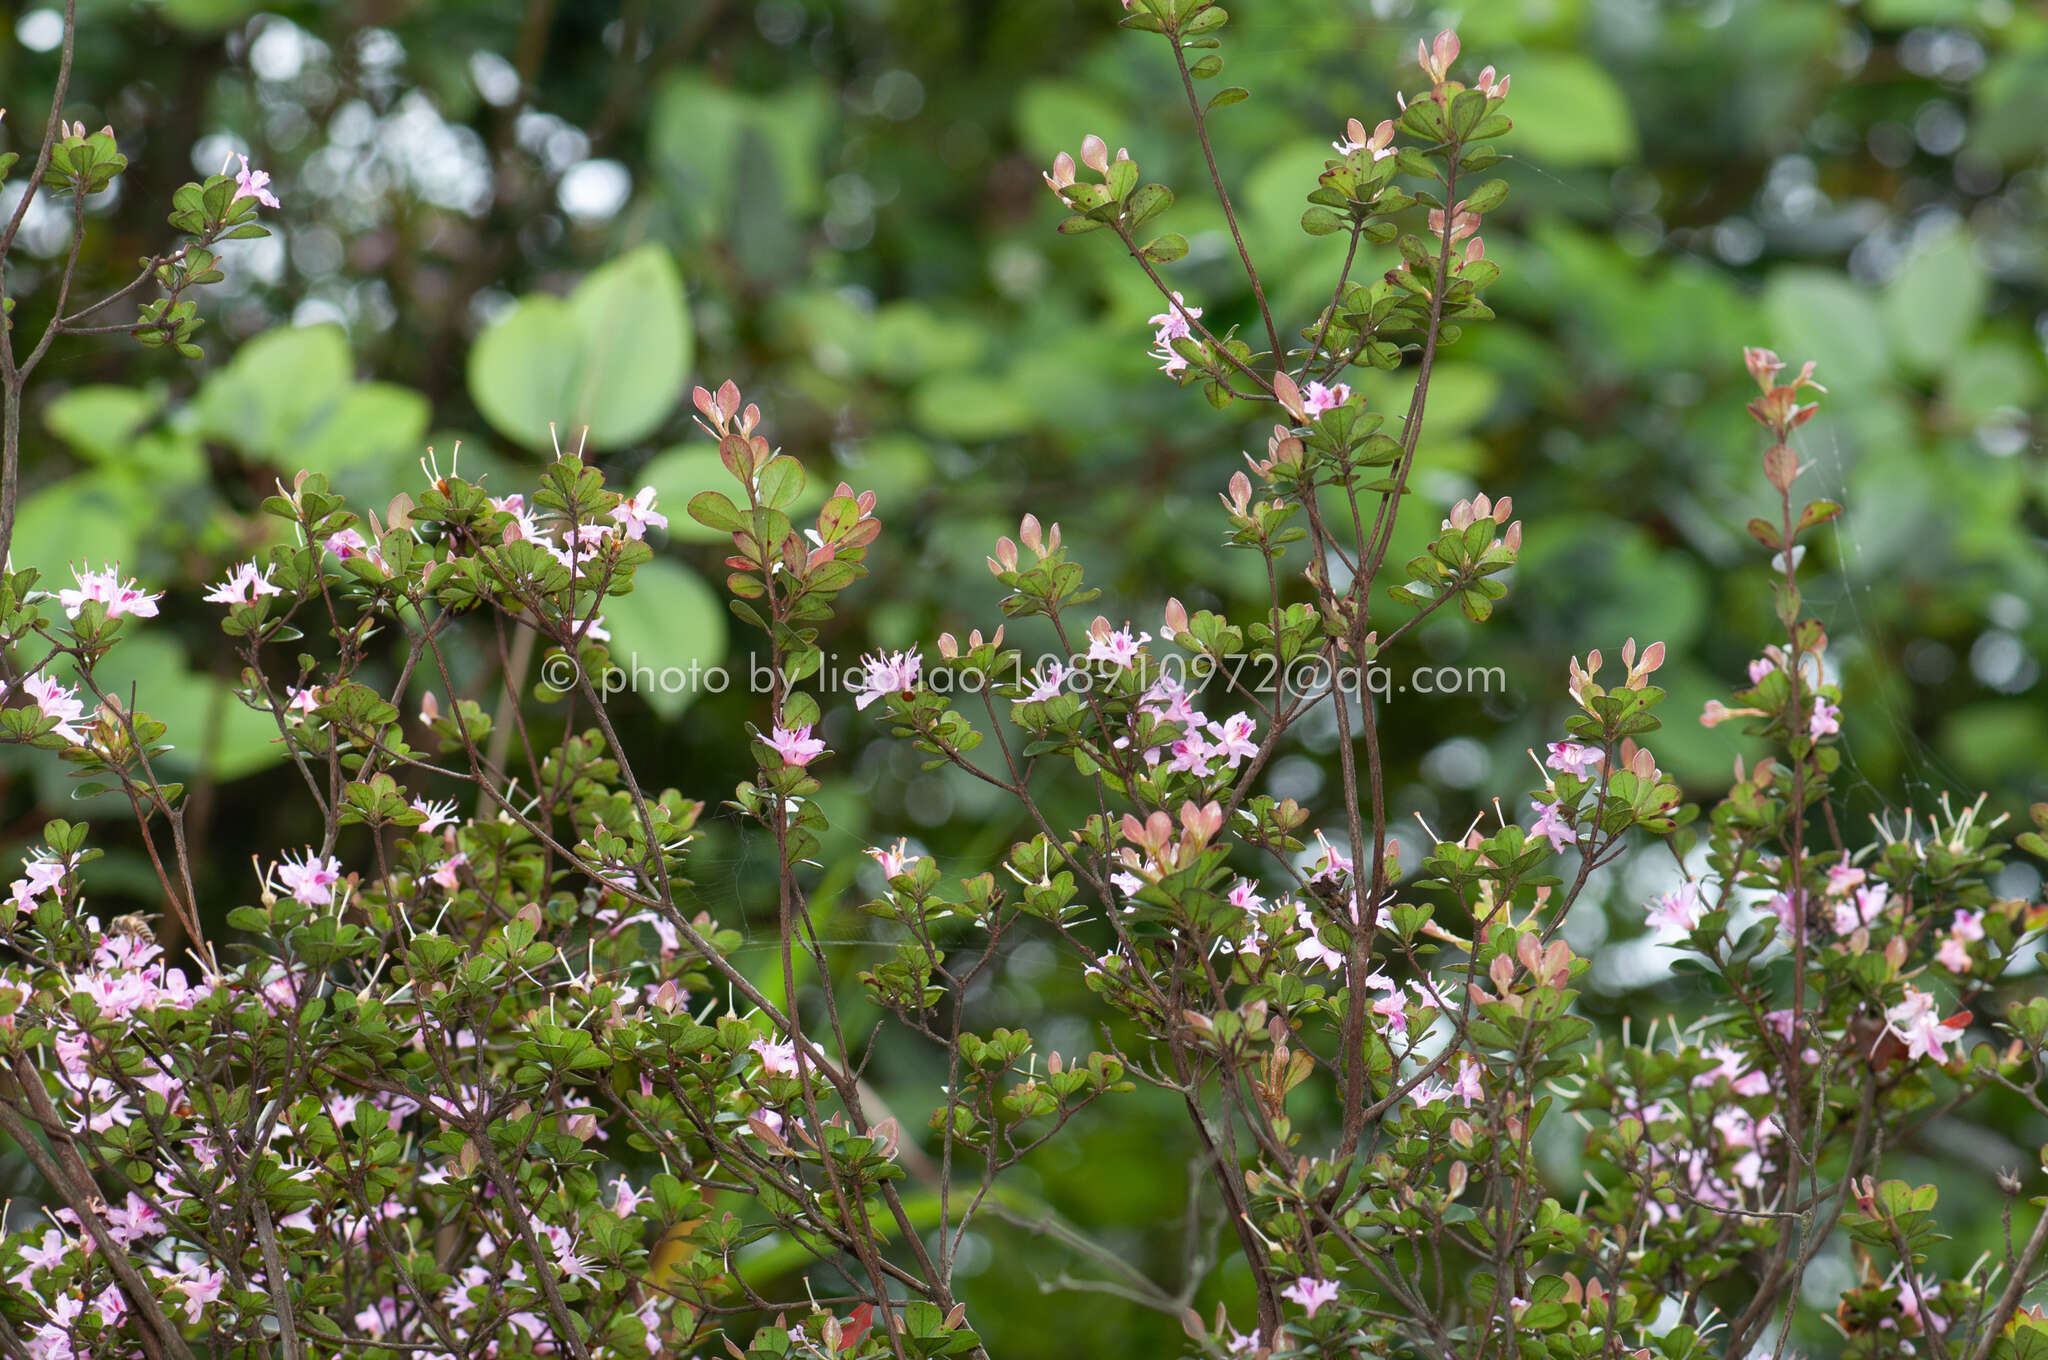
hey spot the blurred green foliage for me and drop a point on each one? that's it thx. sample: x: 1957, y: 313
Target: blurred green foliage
x: 499, y: 213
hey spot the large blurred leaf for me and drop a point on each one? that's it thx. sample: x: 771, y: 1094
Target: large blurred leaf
x: 1933, y: 302
x: 698, y: 130
x: 671, y: 622
x: 612, y: 357
x: 117, y: 426
x: 49, y: 533
x: 1054, y: 115
x: 290, y: 395
x: 1818, y: 315
x: 1568, y: 111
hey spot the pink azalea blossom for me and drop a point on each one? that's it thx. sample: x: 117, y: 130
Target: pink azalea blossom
x: 1679, y: 909
x: 107, y: 586
x: 1312, y: 950
x: 302, y: 699
x: 1311, y: 1293
x: 1968, y: 926
x: 798, y: 747
x: 245, y: 585
x: 346, y: 544
x: 1826, y: 720
x: 1915, y: 1023
x: 1234, y: 738
x: 1118, y: 647
x: 41, y: 872
x: 1551, y: 827
x: 1193, y: 755
x: 777, y: 1059
x: 55, y: 1247
x: 1866, y: 904
x: 636, y: 513
x: 252, y: 184
x: 1844, y: 876
x: 895, y: 859
x: 437, y: 815
x: 1047, y: 682
x: 310, y: 879
x: 1574, y: 758
x: 60, y: 702
x: 1953, y: 955
x: 446, y: 872
x: 1172, y: 325
x: 893, y: 673
x: 1316, y: 398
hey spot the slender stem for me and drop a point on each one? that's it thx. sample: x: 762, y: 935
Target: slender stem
x: 1187, y: 81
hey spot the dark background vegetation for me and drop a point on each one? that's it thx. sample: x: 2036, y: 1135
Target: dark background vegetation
x: 850, y: 195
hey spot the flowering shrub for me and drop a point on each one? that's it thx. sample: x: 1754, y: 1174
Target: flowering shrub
x: 413, y: 1098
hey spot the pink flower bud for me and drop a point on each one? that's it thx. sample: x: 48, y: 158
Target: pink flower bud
x: 1062, y: 173
x: 1095, y: 154
x: 1289, y: 395
x: 1176, y: 618
x: 1028, y: 534
x: 1238, y: 502
x: 1005, y: 558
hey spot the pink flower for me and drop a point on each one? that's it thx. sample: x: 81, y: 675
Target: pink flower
x: 250, y: 184
x: 1953, y: 955
x: 1316, y: 398
x: 1048, y: 681
x: 1967, y: 926
x: 56, y: 1246
x: 302, y: 699
x: 1194, y: 755
x: 777, y: 1059
x: 445, y: 873
x: 1117, y: 647
x: 1551, y: 827
x: 628, y: 1199
x: 1311, y: 1293
x: 245, y: 585
x: 1380, y: 142
x: 636, y: 513
x: 310, y: 880
x: 119, y: 596
x: 894, y: 673
x: 895, y: 859
x: 41, y: 872
x: 1826, y: 720
x: 1868, y: 903
x: 1573, y: 758
x: 1678, y: 909
x: 437, y: 815
x: 1914, y: 1022
x: 60, y: 702
x: 1312, y: 950
x: 798, y: 748
x: 1173, y: 324
x: 1842, y: 877
x: 346, y: 544
x: 1234, y: 738
x: 1760, y: 668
